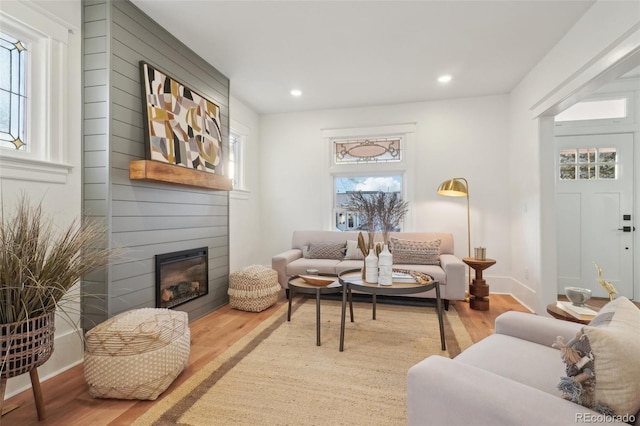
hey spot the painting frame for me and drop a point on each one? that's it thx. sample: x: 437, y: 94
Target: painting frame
x: 181, y: 126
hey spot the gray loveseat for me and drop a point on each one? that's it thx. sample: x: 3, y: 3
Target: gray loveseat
x: 511, y: 377
x: 449, y: 270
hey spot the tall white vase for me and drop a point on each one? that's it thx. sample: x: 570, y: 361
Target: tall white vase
x: 385, y: 267
x: 371, y: 267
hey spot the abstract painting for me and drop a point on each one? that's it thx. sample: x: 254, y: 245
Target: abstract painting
x: 182, y: 127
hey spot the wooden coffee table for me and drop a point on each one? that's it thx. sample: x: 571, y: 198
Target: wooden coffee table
x: 298, y: 285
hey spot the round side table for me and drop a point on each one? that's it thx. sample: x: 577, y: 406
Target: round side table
x: 479, y: 289
x: 298, y: 285
x: 558, y: 313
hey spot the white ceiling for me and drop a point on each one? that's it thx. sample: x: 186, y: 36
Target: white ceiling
x: 361, y: 53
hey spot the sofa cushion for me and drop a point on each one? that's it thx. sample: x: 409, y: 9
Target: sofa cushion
x: 520, y: 360
x: 347, y: 265
x: 610, y: 346
x: 325, y: 251
x: 300, y: 266
x: 415, y: 252
x: 353, y: 251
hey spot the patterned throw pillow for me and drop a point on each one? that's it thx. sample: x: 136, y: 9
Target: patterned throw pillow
x: 603, y: 372
x: 415, y: 252
x: 353, y: 251
x: 326, y: 251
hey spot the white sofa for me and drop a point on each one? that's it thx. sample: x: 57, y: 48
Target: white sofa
x: 450, y: 271
x: 511, y: 377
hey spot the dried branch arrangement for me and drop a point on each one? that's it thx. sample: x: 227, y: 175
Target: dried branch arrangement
x: 381, y: 211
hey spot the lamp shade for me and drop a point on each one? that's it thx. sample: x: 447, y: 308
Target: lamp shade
x: 453, y: 188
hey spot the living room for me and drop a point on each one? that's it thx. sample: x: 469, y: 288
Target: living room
x: 506, y: 139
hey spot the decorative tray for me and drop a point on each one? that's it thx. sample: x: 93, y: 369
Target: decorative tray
x: 318, y: 279
x: 406, y: 276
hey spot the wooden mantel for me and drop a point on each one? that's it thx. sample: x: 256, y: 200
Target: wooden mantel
x: 155, y: 171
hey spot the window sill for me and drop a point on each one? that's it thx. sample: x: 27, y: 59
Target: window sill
x: 240, y: 194
x: 33, y: 170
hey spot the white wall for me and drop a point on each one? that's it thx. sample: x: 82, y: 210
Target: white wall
x: 244, y: 206
x: 532, y: 202
x: 453, y: 138
x: 60, y: 201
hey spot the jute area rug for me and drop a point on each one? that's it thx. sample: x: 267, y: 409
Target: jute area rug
x: 276, y: 375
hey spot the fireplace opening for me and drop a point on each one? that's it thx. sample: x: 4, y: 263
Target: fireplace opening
x: 181, y: 276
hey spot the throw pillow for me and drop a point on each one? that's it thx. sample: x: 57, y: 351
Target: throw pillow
x: 415, y: 252
x: 353, y: 251
x: 325, y: 251
x: 603, y: 372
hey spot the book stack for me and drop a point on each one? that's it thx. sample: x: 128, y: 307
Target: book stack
x: 402, y: 277
x: 583, y: 313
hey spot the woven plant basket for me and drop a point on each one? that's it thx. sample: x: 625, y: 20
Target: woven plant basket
x: 26, y: 345
x: 253, y: 289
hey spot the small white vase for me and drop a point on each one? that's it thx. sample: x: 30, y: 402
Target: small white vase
x: 371, y: 267
x: 385, y: 266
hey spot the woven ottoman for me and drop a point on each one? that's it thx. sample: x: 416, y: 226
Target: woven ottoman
x: 253, y: 289
x: 136, y: 354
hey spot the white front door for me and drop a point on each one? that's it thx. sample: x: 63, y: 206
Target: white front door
x: 594, y: 211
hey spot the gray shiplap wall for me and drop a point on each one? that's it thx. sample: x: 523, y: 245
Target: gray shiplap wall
x: 144, y: 218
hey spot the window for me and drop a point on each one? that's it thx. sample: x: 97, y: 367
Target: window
x: 370, y: 160
x: 236, y: 160
x: 595, y: 110
x: 374, y: 150
x: 346, y: 220
x: 233, y: 160
x: 588, y: 164
x: 33, y: 94
x: 13, y: 56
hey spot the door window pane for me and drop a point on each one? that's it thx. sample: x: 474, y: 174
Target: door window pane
x: 588, y: 164
x: 568, y: 156
x: 587, y: 171
x: 607, y: 172
x: 567, y: 172
x: 607, y: 155
x: 587, y: 155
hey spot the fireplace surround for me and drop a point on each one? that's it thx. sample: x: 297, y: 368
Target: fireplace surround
x: 181, y: 276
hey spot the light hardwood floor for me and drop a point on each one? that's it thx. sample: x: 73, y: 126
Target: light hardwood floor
x: 66, y: 396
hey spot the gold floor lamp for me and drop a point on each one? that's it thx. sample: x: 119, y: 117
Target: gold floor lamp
x: 459, y: 187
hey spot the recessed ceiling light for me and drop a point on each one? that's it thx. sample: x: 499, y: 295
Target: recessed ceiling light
x: 296, y: 92
x: 444, y: 78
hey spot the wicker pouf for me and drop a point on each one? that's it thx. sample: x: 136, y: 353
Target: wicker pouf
x: 253, y: 289
x: 136, y: 354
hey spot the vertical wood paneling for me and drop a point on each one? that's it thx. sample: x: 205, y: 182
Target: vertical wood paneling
x: 146, y: 218
x: 95, y: 145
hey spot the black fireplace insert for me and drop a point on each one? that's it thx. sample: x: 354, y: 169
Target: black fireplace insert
x: 181, y: 276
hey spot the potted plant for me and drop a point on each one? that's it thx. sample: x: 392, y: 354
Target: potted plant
x: 38, y: 265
